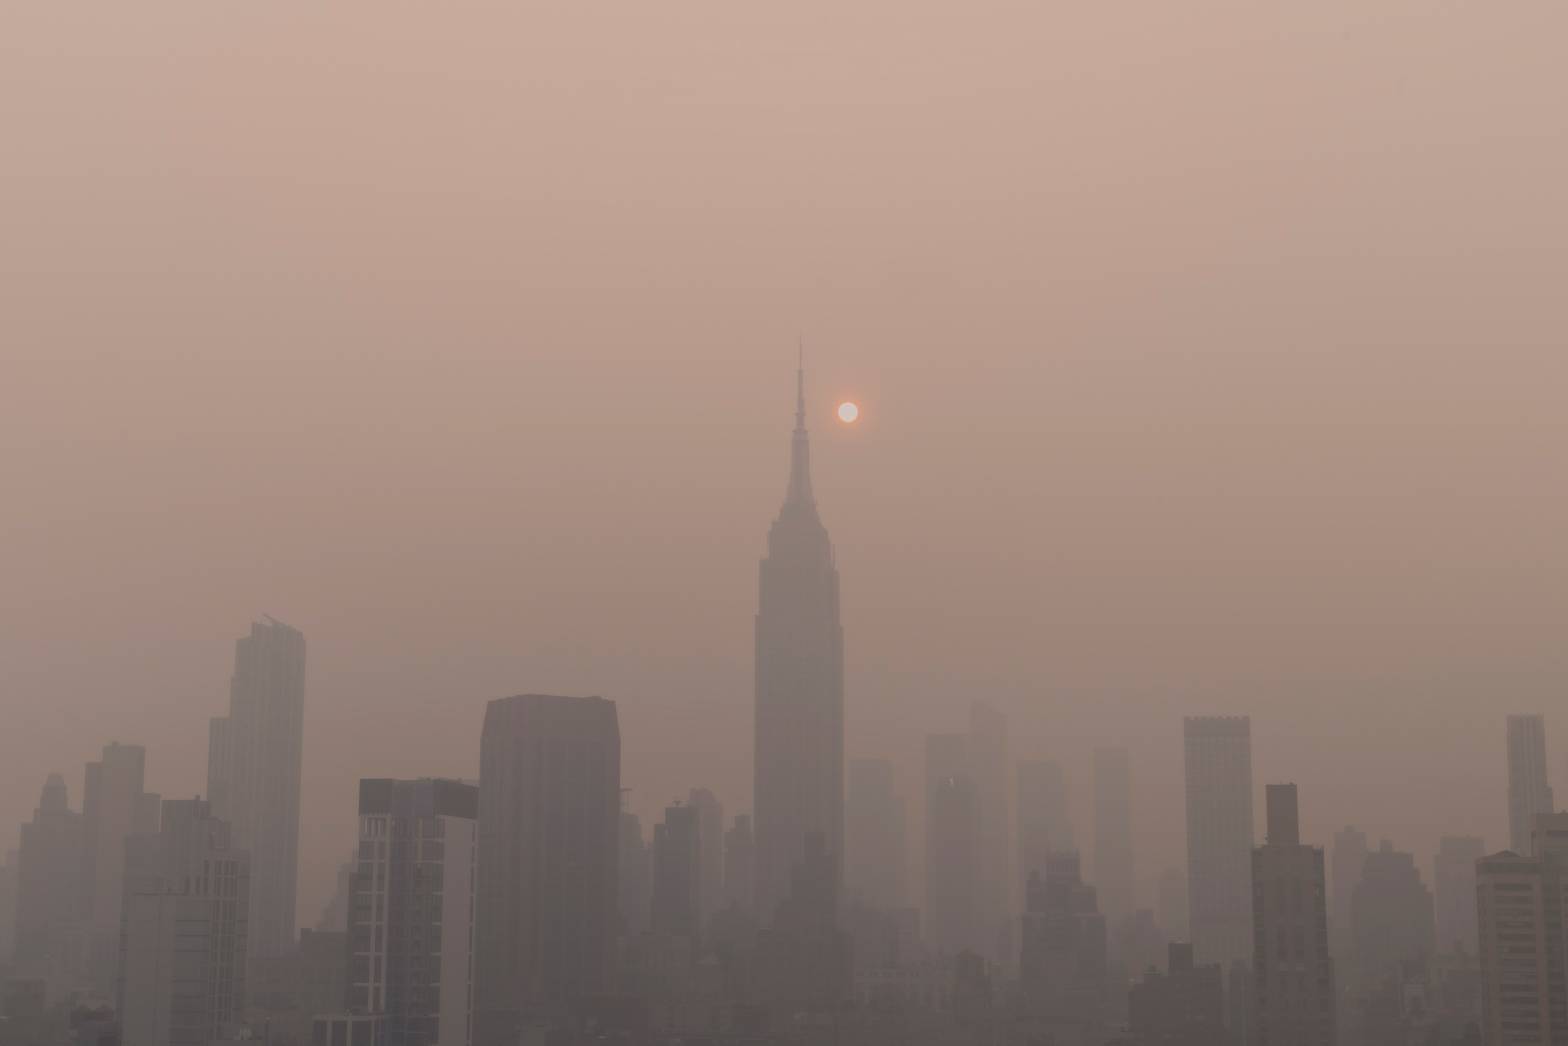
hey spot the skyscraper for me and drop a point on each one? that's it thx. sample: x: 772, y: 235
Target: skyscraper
x: 740, y: 859
x: 710, y: 817
x: 874, y: 838
x: 952, y: 915
x: 411, y: 914
x: 1063, y: 962
x: 799, y: 722
x: 1520, y: 949
x: 1293, y: 976
x: 636, y: 875
x: 677, y: 875
x: 549, y: 821
x: 51, y: 892
x: 1044, y: 823
x: 1391, y: 916
x: 1113, y: 857
x: 1185, y: 1006
x: 1349, y: 858
x: 184, y: 927
x: 1529, y: 794
x: 989, y: 771
x: 1219, y: 837
x: 253, y: 774
x: 114, y: 808
x: 1454, y: 884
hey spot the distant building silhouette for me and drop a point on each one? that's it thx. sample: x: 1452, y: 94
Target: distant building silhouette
x: 677, y: 875
x: 804, y: 956
x: 1529, y: 794
x: 710, y: 815
x: 1392, y: 917
x: 1113, y: 856
x: 549, y: 825
x: 987, y: 752
x: 253, y: 775
x: 1063, y: 962
x: 114, y: 807
x: 184, y: 926
x: 51, y: 893
x: 1348, y: 860
x: 1454, y: 884
x: 8, y: 887
x: 740, y: 860
x: 1219, y: 837
x: 1184, y: 1006
x: 1523, y: 939
x: 1292, y: 973
x: 636, y: 875
x: 799, y: 721
x: 1170, y: 904
x: 412, y: 912
x: 1043, y: 821
x: 952, y: 915
x: 874, y: 819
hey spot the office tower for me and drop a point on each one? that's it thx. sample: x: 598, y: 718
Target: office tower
x: 1113, y: 860
x: 1293, y: 976
x: 987, y: 751
x: 411, y: 913
x: 549, y: 823
x: 1218, y: 752
x: 799, y: 722
x: 1185, y: 1006
x: 710, y: 817
x: 184, y: 924
x: 1063, y: 963
x: 740, y: 864
x: 1391, y: 916
x: 1454, y: 883
x: 253, y: 774
x: 635, y: 889
x: 1529, y: 794
x: 1349, y: 857
x: 874, y: 835
x: 1170, y: 904
x: 804, y: 957
x: 952, y: 921
x: 1520, y: 912
x: 677, y: 874
x: 1042, y: 817
x: 51, y: 893
x: 114, y: 807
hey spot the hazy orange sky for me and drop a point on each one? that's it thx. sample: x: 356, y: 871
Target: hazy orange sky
x: 1212, y: 358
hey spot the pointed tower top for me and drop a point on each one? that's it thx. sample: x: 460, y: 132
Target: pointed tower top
x: 800, y: 448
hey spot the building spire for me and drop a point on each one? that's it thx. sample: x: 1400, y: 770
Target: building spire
x: 800, y: 447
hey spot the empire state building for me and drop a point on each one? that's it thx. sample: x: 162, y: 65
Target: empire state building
x: 799, y: 757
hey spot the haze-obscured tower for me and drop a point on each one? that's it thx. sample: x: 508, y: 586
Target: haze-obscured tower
x: 1293, y: 976
x: 1348, y: 859
x: 952, y: 916
x: 1219, y: 837
x: 989, y: 767
x: 1113, y: 858
x: 799, y: 722
x: 50, y: 893
x: 1453, y: 882
x: 549, y: 825
x: 1044, y: 824
x: 710, y: 817
x: 874, y: 861
x: 1529, y: 794
x: 253, y: 774
x: 114, y: 808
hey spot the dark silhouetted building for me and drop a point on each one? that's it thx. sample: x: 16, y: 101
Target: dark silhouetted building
x: 740, y: 858
x: 1218, y: 754
x: 952, y: 917
x: 1184, y: 1006
x: 710, y: 817
x: 1453, y: 882
x: 549, y: 825
x: 1113, y: 857
x: 1392, y: 918
x: 184, y: 925
x: 411, y: 913
x: 1293, y: 975
x: 988, y: 770
x: 1063, y: 963
x: 799, y: 722
x: 874, y: 864
x: 253, y: 774
x: 1348, y: 859
x: 804, y: 955
x: 115, y: 806
x: 677, y: 875
x: 636, y: 875
x: 1041, y: 814
x: 1529, y: 794
x: 1521, y: 949
x: 51, y: 892
x: 8, y: 884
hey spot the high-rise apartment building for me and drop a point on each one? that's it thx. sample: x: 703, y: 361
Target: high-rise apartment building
x: 1043, y: 820
x: 874, y: 839
x: 549, y: 824
x: 184, y: 924
x: 1292, y: 973
x: 115, y: 807
x: 1522, y: 903
x: 1218, y: 754
x: 1529, y: 794
x: 411, y: 919
x: 1113, y: 856
x: 1454, y: 884
x: 799, y: 721
x: 254, y: 762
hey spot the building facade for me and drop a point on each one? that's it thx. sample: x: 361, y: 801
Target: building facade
x: 1292, y: 972
x: 1453, y: 882
x: 1529, y: 793
x: 1218, y: 757
x: 115, y: 806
